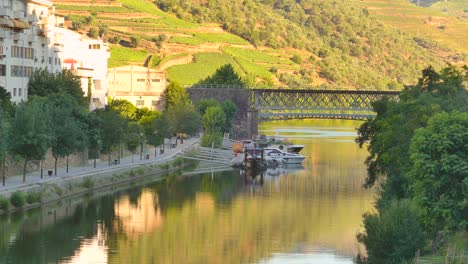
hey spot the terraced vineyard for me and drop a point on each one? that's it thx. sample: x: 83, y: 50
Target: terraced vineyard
x: 449, y: 29
x: 191, y: 51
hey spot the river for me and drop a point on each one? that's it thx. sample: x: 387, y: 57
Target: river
x: 291, y: 215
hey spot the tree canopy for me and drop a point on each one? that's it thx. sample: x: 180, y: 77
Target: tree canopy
x: 225, y: 75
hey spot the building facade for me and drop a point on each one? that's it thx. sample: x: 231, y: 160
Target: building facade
x: 32, y: 37
x: 141, y: 86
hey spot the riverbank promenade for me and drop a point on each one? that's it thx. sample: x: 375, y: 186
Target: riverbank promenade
x: 14, y: 183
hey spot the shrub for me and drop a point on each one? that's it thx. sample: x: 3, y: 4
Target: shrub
x: 93, y: 32
x: 393, y: 236
x: 17, y: 199
x: 57, y: 189
x: 4, y: 203
x: 140, y: 171
x: 33, y: 197
x: 135, y: 41
x: 296, y: 59
x: 114, y: 39
x: 212, y: 138
x: 77, y: 25
x: 178, y: 162
x: 87, y: 183
x: 164, y: 166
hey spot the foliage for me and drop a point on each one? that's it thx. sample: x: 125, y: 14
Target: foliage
x: 212, y: 138
x: 134, y: 136
x: 87, y: 183
x: 6, y: 106
x: 43, y: 83
x: 93, y: 32
x: 225, y: 75
x: 214, y: 119
x: 17, y: 199
x: 440, y: 171
x: 4, y: 203
x: 230, y: 110
x: 394, y: 235
x: 203, y: 104
x: 77, y: 25
x: 297, y: 59
x: 112, y: 127
x: 68, y: 128
x: 135, y: 41
x: 183, y: 118
x: 125, y: 109
x: 33, y: 197
x: 30, y: 132
x: 389, y: 134
x: 176, y: 93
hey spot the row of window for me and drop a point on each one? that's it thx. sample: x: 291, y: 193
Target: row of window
x: 2, y: 70
x: 20, y: 92
x: 94, y: 46
x: 21, y: 52
x: 140, y: 102
x: 21, y: 71
x: 152, y: 80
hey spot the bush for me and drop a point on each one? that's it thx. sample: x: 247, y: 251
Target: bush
x: 33, y: 197
x: 296, y: 59
x: 17, y: 199
x: 87, y: 183
x: 93, y: 32
x: 4, y: 203
x: 77, y: 25
x: 135, y: 41
x: 393, y: 236
x: 114, y: 39
x: 209, y: 138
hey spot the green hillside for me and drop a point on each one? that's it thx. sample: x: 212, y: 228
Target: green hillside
x: 275, y: 43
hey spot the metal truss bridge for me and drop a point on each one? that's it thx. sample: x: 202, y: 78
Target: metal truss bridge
x: 330, y: 104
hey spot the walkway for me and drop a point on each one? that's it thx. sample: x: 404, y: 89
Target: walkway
x: 14, y: 183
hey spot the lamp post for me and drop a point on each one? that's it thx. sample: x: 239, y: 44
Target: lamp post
x: 141, y: 146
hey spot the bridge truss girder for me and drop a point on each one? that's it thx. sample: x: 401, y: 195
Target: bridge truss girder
x: 334, y: 104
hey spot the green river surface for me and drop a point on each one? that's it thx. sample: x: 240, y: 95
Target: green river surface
x: 292, y: 215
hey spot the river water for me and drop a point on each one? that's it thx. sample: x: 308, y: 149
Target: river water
x: 290, y: 215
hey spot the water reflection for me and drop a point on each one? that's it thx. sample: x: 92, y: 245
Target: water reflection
x: 285, y: 215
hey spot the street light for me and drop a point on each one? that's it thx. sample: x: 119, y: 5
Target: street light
x: 141, y: 146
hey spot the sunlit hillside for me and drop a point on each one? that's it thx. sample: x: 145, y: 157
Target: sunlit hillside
x: 270, y: 43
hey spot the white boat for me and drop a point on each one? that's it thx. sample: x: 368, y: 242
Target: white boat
x: 287, y: 158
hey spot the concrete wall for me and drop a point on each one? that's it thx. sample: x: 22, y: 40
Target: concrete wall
x: 245, y: 124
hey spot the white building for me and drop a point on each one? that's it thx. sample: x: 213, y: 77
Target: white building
x: 31, y: 37
x: 139, y: 85
x: 86, y: 58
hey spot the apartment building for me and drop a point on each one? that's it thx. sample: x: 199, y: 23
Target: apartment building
x: 32, y: 37
x: 141, y: 86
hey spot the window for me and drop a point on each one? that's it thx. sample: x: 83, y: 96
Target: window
x: 14, y: 91
x: 55, y: 61
x: 20, y: 52
x: 1, y: 50
x: 155, y: 80
x: 140, y: 102
x: 140, y: 80
x: 21, y: 71
x: 50, y: 60
x: 2, y: 70
x: 19, y: 91
x: 94, y: 46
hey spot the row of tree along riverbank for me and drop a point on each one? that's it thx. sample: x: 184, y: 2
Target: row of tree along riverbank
x: 418, y: 158
x: 56, y: 118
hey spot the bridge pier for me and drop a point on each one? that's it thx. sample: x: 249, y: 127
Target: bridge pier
x: 252, y: 123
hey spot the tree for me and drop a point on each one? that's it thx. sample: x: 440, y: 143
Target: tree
x: 125, y: 109
x: 68, y: 127
x: 135, y: 41
x: 94, y: 136
x: 175, y: 93
x: 44, y: 83
x: 214, y: 119
x: 394, y: 235
x: 4, y: 139
x: 440, y: 171
x: 134, y: 137
x: 225, y: 75
x: 183, y: 118
x: 30, y: 132
x: 205, y: 104
x: 112, y: 129
x: 6, y: 105
x: 230, y: 110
